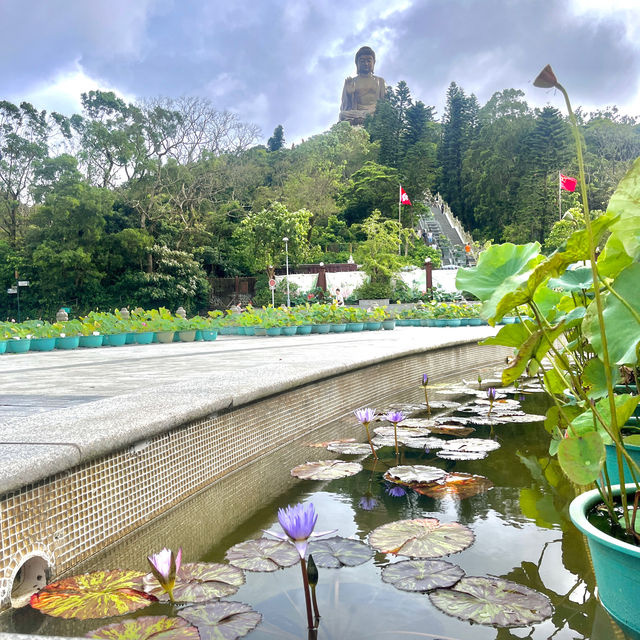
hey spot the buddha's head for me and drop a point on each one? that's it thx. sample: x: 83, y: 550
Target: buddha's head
x: 365, y: 61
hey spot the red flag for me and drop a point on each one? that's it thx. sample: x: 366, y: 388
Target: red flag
x: 567, y: 183
x: 404, y: 198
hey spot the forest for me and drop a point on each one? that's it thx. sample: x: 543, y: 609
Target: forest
x: 142, y: 204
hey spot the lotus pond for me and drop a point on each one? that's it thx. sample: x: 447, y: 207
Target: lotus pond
x: 464, y: 534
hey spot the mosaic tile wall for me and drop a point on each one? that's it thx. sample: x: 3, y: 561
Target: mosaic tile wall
x: 71, y: 516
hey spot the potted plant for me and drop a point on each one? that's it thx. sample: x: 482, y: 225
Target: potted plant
x: 69, y: 333
x: 577, y: 343
x: 43, y: 335
x: 90, y: 335
x: 163, y: 323
x: 19, y: 338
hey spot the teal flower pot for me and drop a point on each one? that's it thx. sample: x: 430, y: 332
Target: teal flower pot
x: 131, y: 338
x: 439, y: 322
x: 339, y: 327
x: 314, y: 328
x: 388, y: 325
x: 68, y: 342
x: 289, y: 331
x: 474, y: 322
x: 91, y: 342
x: 616, y: 564
x: 165, y: 337
x: 240, y: 331
x: 508, y: 320
x: 425, y: 322
x: 187, y: 336
x: 225, y: 331
x: 42, y: 344
x: 403, y: 322
x: 373, y: 326
x: 415, y: 322
x: 146, y: 337
x: 323, y: 328
x: 356, y: 326
x: 3, y: 345
x: 18, y: 346
x: 249, y: 331
x: 304, y: 329
x: 115, y: 339
x: 274, y: 331
x: 453, y: 322
x: 199, y: 337
x: 261, y: 331
x: 208, y: 335
x: 612, y: 462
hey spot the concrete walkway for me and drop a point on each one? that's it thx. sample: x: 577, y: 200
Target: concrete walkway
x: 60, y: 408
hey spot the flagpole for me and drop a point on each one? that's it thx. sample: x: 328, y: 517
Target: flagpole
x: 559, y: 197
x: 399, y: 219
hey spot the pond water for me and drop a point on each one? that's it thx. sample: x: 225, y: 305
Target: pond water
x: 521, y: 528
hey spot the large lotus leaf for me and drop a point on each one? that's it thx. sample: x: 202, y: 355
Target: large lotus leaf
x: 625, y: 404
x: 511, y: 335
x: 421, y: 538
x: 523, y: 288
x: 451, y: 421
x: 337, y: 552
x: 447, y: 454
x: 324, y: 445
x: 580, y: 279
x: 199, y: 582
x: 262, y: 555
x: 582, y: 458
x: 93, y: 595
x: 325, y: 470
x: 495, y: 265
x: 472, y: 444
x: 547, y: 300
x: 423, y: 443
x: 594, y: 379
x: 493, y: 601
x: 457, y: 485
x: 613, y: 258
x: 621, y: 322
x: 401, y: 432
x: 350, y: 448
x: 222, y: 620
x: 408, y: 474
x: 421, y: 575
x: 625, y: 203
x: 147, y: 628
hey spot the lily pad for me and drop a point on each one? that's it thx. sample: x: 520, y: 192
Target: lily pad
x: 448, y: 421
x: 337, y: 552
x: 146, y: 628
x: 409, y: 474
x: 350, y: 448
x: 421, y: 538
x: 325, y: 470
x: 500, y: 404
x: 93, y: 595
x: 199, y: 582
x: 406, y: 408
x: 452, y: 430
x: 262, y: 555
x: 443, y: 404
x: 493, y: 601
x: 422, y: 575
x: 417, y: 423
x: 457, y: 485
x: 446, y: 454
x: 423, y: 443
x: 324, y: 445
x: 472, y: 444
x: 222, y: 620
x: 383, y: 441
x: 401, y: 433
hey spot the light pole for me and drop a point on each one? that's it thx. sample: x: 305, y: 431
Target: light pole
x: 428, y: 277
x: 286, y: 251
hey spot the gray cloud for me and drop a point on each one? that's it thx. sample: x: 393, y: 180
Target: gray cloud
x: 284, y: 61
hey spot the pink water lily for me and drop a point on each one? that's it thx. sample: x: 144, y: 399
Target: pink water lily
x: 164, y: 566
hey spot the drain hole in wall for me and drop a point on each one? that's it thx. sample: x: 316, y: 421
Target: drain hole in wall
x: 30, y: 578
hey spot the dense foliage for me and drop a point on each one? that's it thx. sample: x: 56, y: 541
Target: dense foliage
x: 140, y: 204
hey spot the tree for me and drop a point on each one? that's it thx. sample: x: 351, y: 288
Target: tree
x: 378, y: 254
x: 276, y: 141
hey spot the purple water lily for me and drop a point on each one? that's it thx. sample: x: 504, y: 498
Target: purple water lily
x: 164, y: 566
x: 365, y: 416
x: 491, y: 394
x: 425, y: 379
x: 395, y: 491
x: 368, y: 503
x: 394, y: 417
x: 298, y: 523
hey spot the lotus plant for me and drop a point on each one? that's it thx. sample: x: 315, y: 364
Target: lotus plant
x: 394, y: 417
x: 365, y: 416
x: 425, y: 383
x: 164, y: 566
x: 312, y: 576
x: 298, y: 523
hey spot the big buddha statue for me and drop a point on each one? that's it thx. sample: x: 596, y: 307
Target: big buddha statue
x: 362, y: 92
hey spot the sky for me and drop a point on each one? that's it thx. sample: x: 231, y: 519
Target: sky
x: 284, y: 61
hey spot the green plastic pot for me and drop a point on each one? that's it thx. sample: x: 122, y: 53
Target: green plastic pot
x: 261, y: 331
x: 274, y: 331
x: 323, y: 328
x: 303, y: 329
x: 91, y: 342
x: 249, y: 331
x: 373, y: 326
x: 425, y: 322
x: 289, y: 331
x: 42, y: 344
x: 388, y: 325
x: 616, y: 564
x: 612, y: 462
x: 356, y: 326
x: 145, y: 337
x: 187, y: 336
x: 165, y: 337
x: 208, y: 335
x: 474, y: 322
x: 3, y: 346
x: 68, y: 342
x: 403, y: 322
x: 439, y: 322
x: 453, y: 322
x: 131, y: 338
x: 115, y: 339
x: 18, y: 346
x: 338, y: 327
